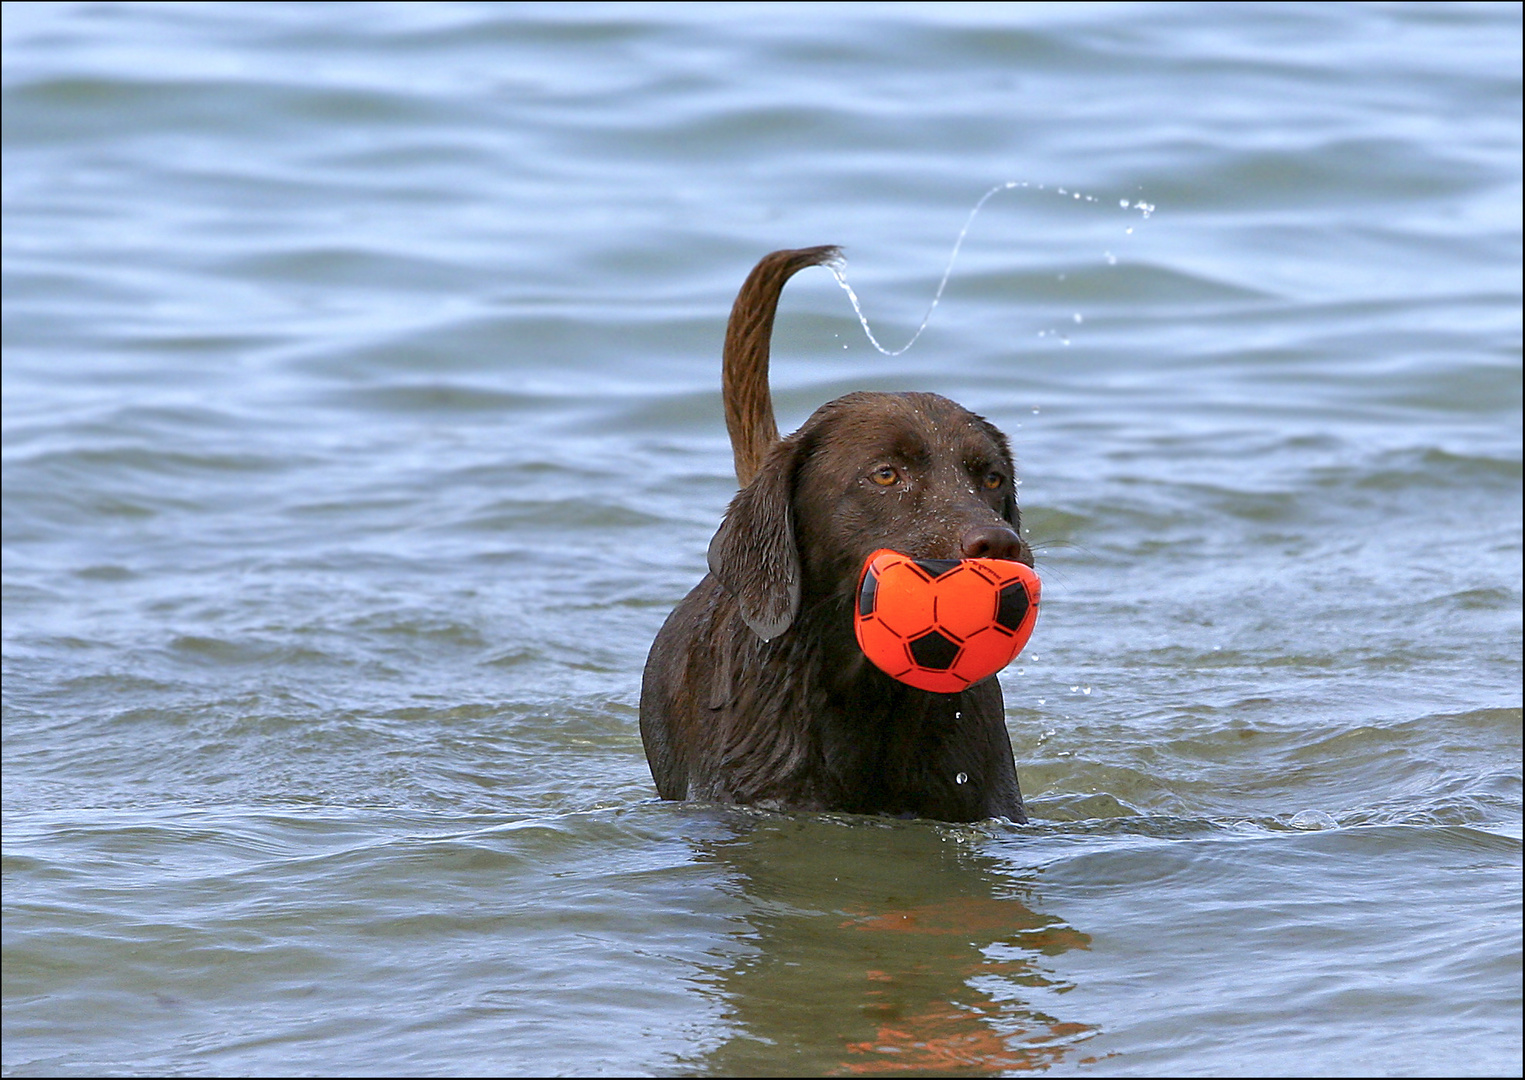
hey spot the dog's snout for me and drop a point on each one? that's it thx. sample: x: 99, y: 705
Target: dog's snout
x: 993, y: 542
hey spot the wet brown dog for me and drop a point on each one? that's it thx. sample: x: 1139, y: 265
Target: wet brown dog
x: 755, y: 691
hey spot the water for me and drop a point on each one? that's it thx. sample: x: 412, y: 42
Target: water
x: 362, y: 424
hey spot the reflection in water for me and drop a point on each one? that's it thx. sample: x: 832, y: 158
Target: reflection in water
x: 873, y: 946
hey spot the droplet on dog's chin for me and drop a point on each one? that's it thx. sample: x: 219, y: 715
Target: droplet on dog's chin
x: 958, y: 716
x: 961, y: 778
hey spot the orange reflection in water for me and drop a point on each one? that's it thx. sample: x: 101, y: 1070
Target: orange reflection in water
x: 979, y: 1035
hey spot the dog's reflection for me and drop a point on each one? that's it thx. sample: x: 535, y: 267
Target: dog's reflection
x: 876, y: 946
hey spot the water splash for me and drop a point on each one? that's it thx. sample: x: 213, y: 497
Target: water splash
x: 838, y: 266
x: 1313, y: 820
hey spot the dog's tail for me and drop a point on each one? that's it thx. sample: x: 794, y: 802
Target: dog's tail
x: 744, y: 378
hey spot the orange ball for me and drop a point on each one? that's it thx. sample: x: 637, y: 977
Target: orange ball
x: 943, y: 624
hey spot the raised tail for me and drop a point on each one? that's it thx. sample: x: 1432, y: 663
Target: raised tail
x: 744, y: 376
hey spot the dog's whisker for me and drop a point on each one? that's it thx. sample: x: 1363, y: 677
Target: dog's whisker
x: 1064, y: 545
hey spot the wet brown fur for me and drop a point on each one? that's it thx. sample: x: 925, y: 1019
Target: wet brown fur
x: 755, y: 691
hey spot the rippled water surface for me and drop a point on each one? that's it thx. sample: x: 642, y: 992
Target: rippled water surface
x: 362, y: 424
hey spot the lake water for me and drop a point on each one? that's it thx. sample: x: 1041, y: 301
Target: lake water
x: 362, y: 424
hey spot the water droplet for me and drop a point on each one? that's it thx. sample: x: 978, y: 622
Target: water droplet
x: 1035, y: 412
x: 961, y: 778
x: 1130, y: 230
x: 1111, y: 259
x: 1312, y: 819
x: 958, y: 716
x: 1087, y: 690
x: 1123, y: 203
x: 1043, y: 701
x: 1074, y: 689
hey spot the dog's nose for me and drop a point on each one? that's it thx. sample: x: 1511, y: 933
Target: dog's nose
x: 991, y: 542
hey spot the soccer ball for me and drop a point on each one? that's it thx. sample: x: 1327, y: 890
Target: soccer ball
x: 943, y: 624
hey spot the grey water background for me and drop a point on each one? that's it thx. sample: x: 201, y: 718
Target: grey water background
x: 362, y: 424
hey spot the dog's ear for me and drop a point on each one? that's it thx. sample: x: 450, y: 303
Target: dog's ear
x: 754, y: 555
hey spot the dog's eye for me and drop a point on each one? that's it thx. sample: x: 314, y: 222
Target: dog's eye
x: 885, y: 475
x: 993, y: 480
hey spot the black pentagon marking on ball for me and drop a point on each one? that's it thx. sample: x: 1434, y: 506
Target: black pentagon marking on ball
x: 937, y: 567
x: 1014, y: 604
x: 934, y: 651
x: 866, y: 593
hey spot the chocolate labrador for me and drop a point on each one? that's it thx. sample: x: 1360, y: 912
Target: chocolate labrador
x: 755, y: 691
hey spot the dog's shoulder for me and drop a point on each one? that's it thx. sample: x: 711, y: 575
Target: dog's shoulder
x: 688, y: 676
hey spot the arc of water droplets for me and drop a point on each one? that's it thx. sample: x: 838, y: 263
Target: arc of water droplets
x: 838, y: 266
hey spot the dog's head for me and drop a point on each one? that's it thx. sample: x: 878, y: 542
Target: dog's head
x: 916, y: 473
